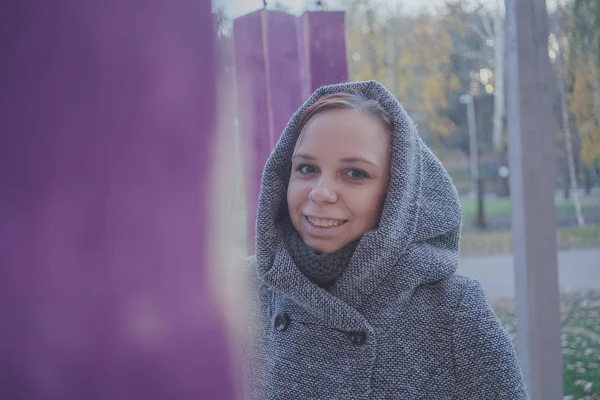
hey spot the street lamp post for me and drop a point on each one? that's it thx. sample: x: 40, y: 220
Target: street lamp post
x: 530, y: 124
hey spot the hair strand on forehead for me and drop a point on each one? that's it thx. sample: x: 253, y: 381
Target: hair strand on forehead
x: 345, y: 101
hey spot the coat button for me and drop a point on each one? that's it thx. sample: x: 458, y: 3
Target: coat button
x: 358, y: 337
x: 281, y: 322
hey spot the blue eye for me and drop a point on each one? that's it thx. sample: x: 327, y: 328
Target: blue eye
x: 306, y: 169
x: 357, y: 174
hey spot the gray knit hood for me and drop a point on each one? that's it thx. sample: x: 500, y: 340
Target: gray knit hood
x: 417, y: 239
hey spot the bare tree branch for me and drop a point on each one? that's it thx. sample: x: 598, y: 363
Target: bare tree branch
x: 487, y: 25
x: 478, y: 31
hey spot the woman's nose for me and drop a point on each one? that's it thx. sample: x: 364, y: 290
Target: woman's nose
x: 323, y: 194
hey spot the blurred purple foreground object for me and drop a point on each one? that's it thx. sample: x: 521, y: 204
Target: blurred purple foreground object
x: 106, y: 122
x: 280, y: 60
x: 323, y: 54
x: 268, y: 87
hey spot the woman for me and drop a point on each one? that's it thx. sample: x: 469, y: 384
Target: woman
x: 358, y: 230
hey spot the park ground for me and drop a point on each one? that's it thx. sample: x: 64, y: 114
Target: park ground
x: 496, y: 239
x: 487, y: 256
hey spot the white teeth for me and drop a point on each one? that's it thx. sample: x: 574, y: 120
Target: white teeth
x: 325, y: 223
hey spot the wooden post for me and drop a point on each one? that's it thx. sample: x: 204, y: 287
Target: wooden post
x: 268, y: 92
x: 107, y: 121
x: 531, y: 156
x: 322, y: 43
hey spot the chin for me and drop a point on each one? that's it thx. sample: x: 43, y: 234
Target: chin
x: 322, y: 248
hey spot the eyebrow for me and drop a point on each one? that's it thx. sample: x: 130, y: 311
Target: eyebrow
x: 304, y: 156
x: 352, y: 160
x: 345, y: 160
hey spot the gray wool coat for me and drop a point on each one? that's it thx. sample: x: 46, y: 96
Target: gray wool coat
x: 399, y: 323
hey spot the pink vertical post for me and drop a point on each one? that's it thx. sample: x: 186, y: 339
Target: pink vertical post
x: 323, y: 54
x: 106, y: 121
x: 268, y: 92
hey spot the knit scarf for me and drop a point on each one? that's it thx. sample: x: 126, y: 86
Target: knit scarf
x: 321, y: 269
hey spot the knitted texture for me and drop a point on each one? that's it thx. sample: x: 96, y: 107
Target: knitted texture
x: 398, y: 323
x: 321, y: 269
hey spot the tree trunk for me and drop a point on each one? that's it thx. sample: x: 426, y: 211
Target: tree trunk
x: 504, y: 180
x: 597, y: 94
x: 567, y: 135
x: 498, y: 126
x: 566, y: 181
x: 499, y: 99
x: 587, y: 180
x: 596, y: 84
x: 533, y: 215
x: 391, y: 57
x: 372, y: 39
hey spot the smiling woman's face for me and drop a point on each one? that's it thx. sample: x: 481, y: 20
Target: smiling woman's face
x: 339, y: 178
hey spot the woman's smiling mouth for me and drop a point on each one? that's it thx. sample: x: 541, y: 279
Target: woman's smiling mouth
x: 325, y: 222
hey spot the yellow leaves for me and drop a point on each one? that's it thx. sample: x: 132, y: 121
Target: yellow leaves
x: 441, y: 125
x: 422, y: 69
x: 584, y: 104
x: 589, y: 132
x: 411, y: 55
x: 454, y: 83
x: 370, y: 44
x: 582, y: 55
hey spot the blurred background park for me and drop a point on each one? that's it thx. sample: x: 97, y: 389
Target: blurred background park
x: 133, y: 134
x: 441, y: 57
x: 429, y: 56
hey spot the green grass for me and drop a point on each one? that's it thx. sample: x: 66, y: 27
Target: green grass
x: 500, y: 208
x: 574, y: 237
x: 500, y: 242
x: 580, y: 341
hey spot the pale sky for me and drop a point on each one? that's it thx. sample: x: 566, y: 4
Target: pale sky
x: 239, y: 7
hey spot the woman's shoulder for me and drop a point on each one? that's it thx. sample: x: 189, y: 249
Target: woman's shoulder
x: 464, y: 303
x: 484, y: 356
x: 455, y: 290
x: 458, y: 300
